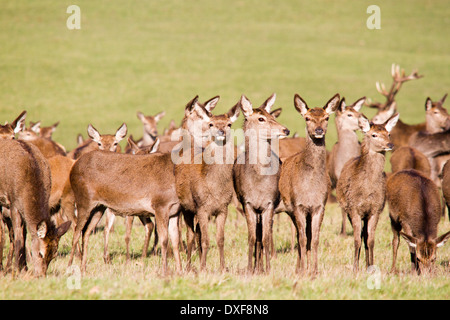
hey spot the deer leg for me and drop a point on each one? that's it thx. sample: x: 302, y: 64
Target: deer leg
x: 267, y: 240
x: 300, y: 221
x: 190, y: 236
x: 395, y: 242
x: 356, y: 223
x: 175, y: 240
x: 220, y: 235
x: 371, y: 227
x: 162, y: 223
x: 250, y: 216
x: 148, y: 226
x: 89, y: 227
x: 344, y: 222
x: 316, y: 222
x: 202, y: 217
x: 20, y: 262
x: 109, y: 222
x: 128, y: 227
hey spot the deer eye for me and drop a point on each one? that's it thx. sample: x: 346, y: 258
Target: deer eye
x: 261, y: 119
x: 307, y: 119
x: 349, y: 115
x: 229, y: 125
x: 211, y: 125
x: 327, y: 118
x: 374, y: 135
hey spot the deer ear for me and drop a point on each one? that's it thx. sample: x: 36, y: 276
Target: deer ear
x: 201, y: 111
x: 332, y: 104
x: 300, y: 105
x: 121, y: 132
x: 155, y: 146
x: 428, y: 104
x: 211, y: 103
x: 364, y: 123
x: 41, y: 229
x: 140, y: 116
x: 276, y: 113
x: 36, y: 127
x: 159, y: 116
x: 190, y: 105
x: 443, y: 99
x: 62, y: 229
x: 440, y: 241
x: 392, y: 121
x: 410, y: 240
x: 342, y: 105
x: 358, y: 104
x: 267, y: 105
x: 233, y: 114
x: 93, y: 133
x: 19, y: 123
x: 246, y: 106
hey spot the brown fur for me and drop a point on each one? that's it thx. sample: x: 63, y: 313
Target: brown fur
x: 305, y: 183
x: 361, y: 187
x: 206, y: 189
x: 415, y: 209
x: 25, y: 189
x: 407, y: 157
x: 256, y: 190
x: 445, y: 182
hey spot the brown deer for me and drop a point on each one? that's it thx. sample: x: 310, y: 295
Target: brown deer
x: 24, y: 189
x: 204, y: 181
x: 347, y: 147
x: 48, y: 147
x: 150, y: 128
x: 99, y: 141
x: 407, y: 157
x: 415, y: 212
x: 128, y: 185
x: 43, y: 132
x: 402, y: 131
x: 305, y: 183
x: 361, y: 188
x: 437, y: 121
x: 256, y: 174
x: 445, y: 182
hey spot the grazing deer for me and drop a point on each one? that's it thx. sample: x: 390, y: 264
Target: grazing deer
x: 415, y: 211
x: 347, y: 147
x: 24, y: 189
x: 361, y: 188
x: 437, y: 121
x: 204, y: 184
x: 305, y: 183
x: 402, y: 131
x: 150, y: 128
x: 256, y: 174
x: 445, y: 182
x: 99, y: 141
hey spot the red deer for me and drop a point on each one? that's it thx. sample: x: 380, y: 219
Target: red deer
x: 256, y: 174
x: 25, y: 189
x: 409, y: 158
x: 43, y: 132
x: 437, y: 121
x: 48, y: 147
x: 445, y: 182
x: 415, y: 212
x: 347, y: 147
x: 361, y: 188
x: 305, y: 183
x: 204, y: 181
x: 150, y: 128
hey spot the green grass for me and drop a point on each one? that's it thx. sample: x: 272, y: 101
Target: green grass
x: 153, y: 56
x: 141, y: 278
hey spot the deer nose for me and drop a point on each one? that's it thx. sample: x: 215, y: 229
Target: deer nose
x: 390, y: 145
x: 319, y: 131
x: 286, y: 131
x: 221, y: 132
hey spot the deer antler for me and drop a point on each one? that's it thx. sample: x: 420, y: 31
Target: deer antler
x: 398, y: 76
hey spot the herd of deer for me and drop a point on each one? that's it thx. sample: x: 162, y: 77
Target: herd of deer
x: 44, y: 189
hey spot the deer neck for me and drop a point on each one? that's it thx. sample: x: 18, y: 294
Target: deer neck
x: 348, y: 142
x: 314, y: 154
x: 371, y: 161
x: 147, y: 139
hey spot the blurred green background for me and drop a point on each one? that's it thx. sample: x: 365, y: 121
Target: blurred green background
x: 157, y: 55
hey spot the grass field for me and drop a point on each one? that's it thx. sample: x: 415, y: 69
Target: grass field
x: 153, y: 56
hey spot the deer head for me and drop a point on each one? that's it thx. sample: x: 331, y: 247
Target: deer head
x: 107, y: 141
x: 8, y: 131
x: 377, y: 135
